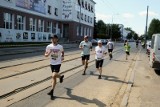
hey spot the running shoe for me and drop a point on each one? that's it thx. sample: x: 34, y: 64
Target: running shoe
x: 61, y: 78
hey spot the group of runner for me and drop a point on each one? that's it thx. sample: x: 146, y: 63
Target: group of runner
x: 56, y: 53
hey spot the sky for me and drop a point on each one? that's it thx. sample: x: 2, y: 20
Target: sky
x: 130, y: 13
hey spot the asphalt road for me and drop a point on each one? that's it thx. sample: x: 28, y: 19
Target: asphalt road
x: 41, y: 99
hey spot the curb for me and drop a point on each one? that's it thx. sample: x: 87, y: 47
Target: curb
x: 125, y: 98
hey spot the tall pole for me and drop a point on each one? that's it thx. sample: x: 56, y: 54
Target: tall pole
x: 80, y: 21
x: 146, y: 32
x: 112, y: 27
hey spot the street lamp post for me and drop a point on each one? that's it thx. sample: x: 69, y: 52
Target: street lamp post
x: 80, y: 20
x: 146, y: 32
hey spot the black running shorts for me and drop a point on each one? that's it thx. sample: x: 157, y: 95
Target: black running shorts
x: 127, y: 53
x: 99, y: 63
x: 85, y: 57
x: 55, y: 68
x: 110, y: 50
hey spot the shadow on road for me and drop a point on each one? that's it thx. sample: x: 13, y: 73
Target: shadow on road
x: 120, y: 60
x: 110, y: 78
x: 157, y: 71
x: 82, y: 100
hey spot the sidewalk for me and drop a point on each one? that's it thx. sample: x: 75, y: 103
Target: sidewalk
x: 94, y: 92
x: 146, y: 88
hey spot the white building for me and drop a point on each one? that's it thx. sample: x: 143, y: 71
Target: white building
x: 37, y: 20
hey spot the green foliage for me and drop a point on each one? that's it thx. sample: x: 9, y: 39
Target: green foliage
x: 154, y: 27
x: 129, y: 36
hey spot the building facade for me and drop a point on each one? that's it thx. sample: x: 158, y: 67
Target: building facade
x: 37, y: 20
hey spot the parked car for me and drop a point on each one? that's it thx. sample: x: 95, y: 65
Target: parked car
x: 155, y: 52
x: 104, y: 41
x: 94, y: 41
x: 148, y: 47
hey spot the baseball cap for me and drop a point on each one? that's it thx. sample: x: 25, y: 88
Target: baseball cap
x: 99, y: 41
x: 85, y: 36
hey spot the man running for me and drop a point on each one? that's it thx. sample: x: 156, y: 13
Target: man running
x: 100, y: 51
x: 56, y: 53
x: 110, y: 47
x: 127, y: 49
x: 137, y: 43
x: 86, y: 47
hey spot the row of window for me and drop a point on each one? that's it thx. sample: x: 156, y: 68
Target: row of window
x: 20, y: 23
x: 50, y: 10
x: 81, y: 31
x: 85, y: 5
x: 84, y: 17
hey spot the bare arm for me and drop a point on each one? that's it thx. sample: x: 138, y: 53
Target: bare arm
x: 46, y: 54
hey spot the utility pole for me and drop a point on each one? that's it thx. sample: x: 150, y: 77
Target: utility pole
x: 80, y: 20
x: 146, y: 32
x: 111, y: 28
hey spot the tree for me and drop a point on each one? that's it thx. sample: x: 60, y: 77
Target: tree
x: 101, y: 29
x: 129, y: 36
x: 135, y: 36
x: 95, y: 28
x: 116, y: 31
x: 154, y: 27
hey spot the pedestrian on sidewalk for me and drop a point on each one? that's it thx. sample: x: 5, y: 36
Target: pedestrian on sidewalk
x: 127, y: 49
x: 56, y: 53
x: 86, y: 47
x: 100, y: 52
x: 110, y: 46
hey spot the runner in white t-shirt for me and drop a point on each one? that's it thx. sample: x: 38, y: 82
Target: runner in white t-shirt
x: 110, y: 46
x: 56, y: 53
x: 100, y: 52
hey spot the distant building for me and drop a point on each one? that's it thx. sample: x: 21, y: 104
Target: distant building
x: 37, y: 20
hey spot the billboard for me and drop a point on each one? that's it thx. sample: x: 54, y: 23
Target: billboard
x: 66, y: 9
x: 33, y: 5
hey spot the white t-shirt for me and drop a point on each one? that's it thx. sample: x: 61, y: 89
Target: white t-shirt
x: 56, y: 54
x: 100, y: 51
x: 110, y: 45
x: 86, y: 47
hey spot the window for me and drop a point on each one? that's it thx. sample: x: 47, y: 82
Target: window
x: 84, y: 31
x: 40, y: 25
x: 49, y: 26
x: 85, y: 17
x: 54, y: 28
x: 79, y: 2
x: 90, y: 32
x: 8, y: 20
x: 78, y: 30
x: 86, y: 5
x: 49, y: 9
x: 78, y: 14
x: 82, y: 16
x: 8, y: 0
x: 81, y: 30
x: 32, y: 24
x: 89, y: 7
x: 56, y: 12
x: 82, y: 3
x: 20, y: 22
x: 91, y: 20
x: 88, y: 19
